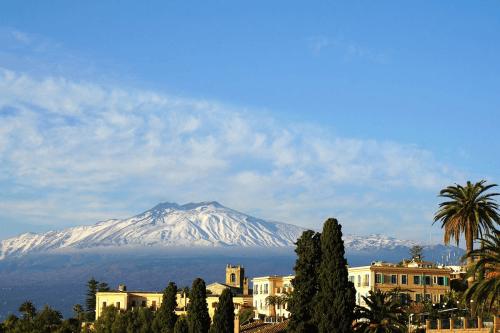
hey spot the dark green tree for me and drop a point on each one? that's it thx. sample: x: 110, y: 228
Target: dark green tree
x: 122, y: 321
x: 48, y: 320
x: 106, y: 319
x: 28, y: 310
x: 416, y: 252
x: 469, y: 211
x: 10, y: 323
x: 383, y: 313
x: 181, y: 326
x: 224, y: 314
x: 198, y: 318
x: 79, y: 313
x: 305, y: 283
x: 336, y: 295
x: 144, y: 318
x: 93, y: 286
x: 485, y: 292
x: 70, y: 325
x: 165, y: 319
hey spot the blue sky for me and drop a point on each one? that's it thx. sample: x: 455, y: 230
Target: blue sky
x: 290, y: 111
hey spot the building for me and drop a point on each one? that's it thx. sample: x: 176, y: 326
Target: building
x: 266, y: 286
x: 127, y: 300
x: 417, y: 280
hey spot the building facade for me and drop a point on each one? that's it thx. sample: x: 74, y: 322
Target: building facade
x: 266, y: 286
x: 126, y: 300
x: 417, y: 280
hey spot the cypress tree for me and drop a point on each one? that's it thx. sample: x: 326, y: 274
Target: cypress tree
x: 165, y: 319
x: 336, y: 295
x: 198, y: 318
x: 305, y: 283
x: 181, y: 326
x: 224, y: 314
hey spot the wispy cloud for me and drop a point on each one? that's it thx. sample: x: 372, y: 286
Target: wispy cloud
x: 71, y: 151
x: 348, y: 49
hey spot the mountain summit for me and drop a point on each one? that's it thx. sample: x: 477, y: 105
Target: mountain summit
x: 204, y: 224
x: 165, y: 225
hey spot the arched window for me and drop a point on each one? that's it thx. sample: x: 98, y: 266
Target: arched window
x: 233, y: 278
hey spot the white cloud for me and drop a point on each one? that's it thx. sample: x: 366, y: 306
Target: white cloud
x: 349, y: 49
x: 82, y: 149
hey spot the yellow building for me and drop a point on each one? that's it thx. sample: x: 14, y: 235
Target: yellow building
x: 419, y: 280
x: 126, y: 300
x: 266, y: 286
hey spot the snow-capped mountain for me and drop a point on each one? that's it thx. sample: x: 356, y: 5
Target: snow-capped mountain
x: 374, y: 242
x: 205, y: 224
x: 167, y: 224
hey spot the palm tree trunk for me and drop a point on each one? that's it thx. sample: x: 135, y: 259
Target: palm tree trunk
x: 469, y: 243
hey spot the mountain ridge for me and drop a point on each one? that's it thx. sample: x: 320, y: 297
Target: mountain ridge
x: 168, y: 225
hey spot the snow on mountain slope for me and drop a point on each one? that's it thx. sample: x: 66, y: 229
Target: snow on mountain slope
x: 167, y: 224
x: 172, y: 225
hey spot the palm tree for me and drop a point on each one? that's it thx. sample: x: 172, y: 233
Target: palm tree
x: 383, y: 314
x: 79, y: 312
x: 486, y: 290
x: 273, y: 300
x: 284, y: 298
x: 470, y: 211
x: 28, y: 310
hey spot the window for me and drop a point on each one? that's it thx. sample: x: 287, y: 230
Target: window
x: 404, y: 279
x: 394, y: 279
x: 378, y: 278
x: 427, y: 297
x: 427, y: 280
x: 260, y: 292
x: 144, y: 304
x: 366, y: 282
x: 266, y: 288
x: 103, y: 304
x: 418, y: 298
x: 404, y: 298
x: 278, y: 290
x: 351, y: 278
x: 153, y: 305
x: 441, y: 298
x: 440, y: 281
x: 359, y: 280
x: 133, y: 304
x: 416, y: 279
x: 256, y: 290
x: 233, y: 278
x: 446, y: 281
x: 118, y: 305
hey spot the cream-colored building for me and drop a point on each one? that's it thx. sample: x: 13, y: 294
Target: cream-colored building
x: 419, y: 280
x: 126, y: 300
x: 266, y: 286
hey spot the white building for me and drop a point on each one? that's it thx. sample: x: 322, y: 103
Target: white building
x: 266, y: 286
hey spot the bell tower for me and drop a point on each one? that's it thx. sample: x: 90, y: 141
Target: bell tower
x: 235, y: 276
